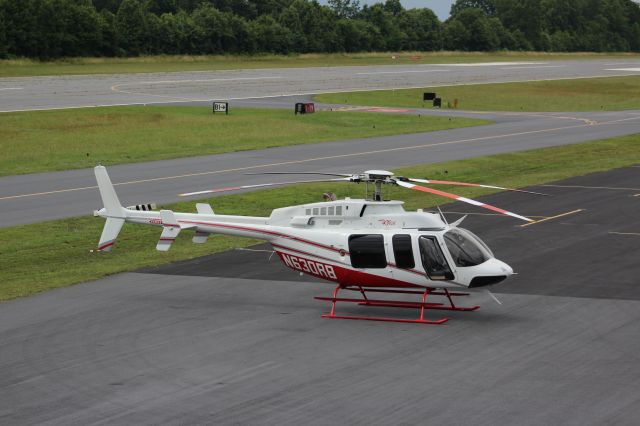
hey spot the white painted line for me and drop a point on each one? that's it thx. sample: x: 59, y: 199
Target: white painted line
x: 399, y: 72
x: 11, y: 88
x: 490, y: 64
x: 533, y: 67
x: 625, y: 233
x: 624, y: 69
x: 195, y: 81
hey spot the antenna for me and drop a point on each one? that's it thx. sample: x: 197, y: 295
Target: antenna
x: 444, y: 219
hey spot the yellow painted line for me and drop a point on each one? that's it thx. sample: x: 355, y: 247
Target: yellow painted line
x: 626, y: 233
x: 329, y: 157
x: 593, y: 187
x: 552, y: 217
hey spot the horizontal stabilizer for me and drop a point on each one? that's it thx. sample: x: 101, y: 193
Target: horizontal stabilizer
x: 168, y: 236
x: 170, y: 230
x: 204, y: 208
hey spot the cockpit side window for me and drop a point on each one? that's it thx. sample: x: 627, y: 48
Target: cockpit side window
x: 433, y: 259
x: 367, y: 251
x: 403, y: 252
x: 465, y: 249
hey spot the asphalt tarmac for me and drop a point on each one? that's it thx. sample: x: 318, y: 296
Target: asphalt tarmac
x: 38, y: 197
x: 29, y: 93
x: 236, y: 339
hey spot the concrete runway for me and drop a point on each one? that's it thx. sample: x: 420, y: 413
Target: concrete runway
x: 37, y: 197
x: 235, y: 339
x: 29, y: 93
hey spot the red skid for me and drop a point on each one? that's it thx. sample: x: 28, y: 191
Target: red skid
x: 415, y: 321
x: 422, y: 305
x: 384, y: 303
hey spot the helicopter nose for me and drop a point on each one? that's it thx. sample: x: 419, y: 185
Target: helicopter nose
x: 503, y: 268
x: 491, y: 272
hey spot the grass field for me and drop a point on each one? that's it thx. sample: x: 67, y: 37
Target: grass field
x: 27, y: 67
x: 589, y: 94
x: 43, y: 256
x: 41, y: 141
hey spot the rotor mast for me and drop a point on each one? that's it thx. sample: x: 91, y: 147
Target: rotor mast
x: 378, y: 177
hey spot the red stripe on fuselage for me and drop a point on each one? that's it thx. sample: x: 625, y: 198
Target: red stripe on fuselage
x: 262, y: 231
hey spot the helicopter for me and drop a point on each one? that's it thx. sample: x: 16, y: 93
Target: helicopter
x: 368, y: 245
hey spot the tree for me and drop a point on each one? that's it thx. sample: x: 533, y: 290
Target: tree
x: 110, y: 5
x: 345, y: 8
x: 422, y: 28
x: 131, y: 26
x: 487, y: 6
x: 107, y: 27
x: 476, y: 32
x: 3, y: 34
x: 21, y: 27
x: 390, y: 36
x: 270, y: 36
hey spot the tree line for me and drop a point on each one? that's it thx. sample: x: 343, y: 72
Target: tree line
x: 48, y: 29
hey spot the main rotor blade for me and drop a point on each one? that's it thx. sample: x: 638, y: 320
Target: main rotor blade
x: 259, y: 185
x: 459, y: 198
x: 446, y: 182
x: 300, y: 173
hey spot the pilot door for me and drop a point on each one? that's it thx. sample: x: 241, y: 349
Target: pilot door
x: 433, y: 260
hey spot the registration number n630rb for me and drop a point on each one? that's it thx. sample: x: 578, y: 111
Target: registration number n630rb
x: 312, y: 267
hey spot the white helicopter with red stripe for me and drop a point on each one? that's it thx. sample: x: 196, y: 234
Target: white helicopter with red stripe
x: 362, y: 245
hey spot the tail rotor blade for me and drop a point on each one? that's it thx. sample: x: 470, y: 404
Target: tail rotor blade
x: 459, y: 198
x: 259, y: 185
x: 446, y: 182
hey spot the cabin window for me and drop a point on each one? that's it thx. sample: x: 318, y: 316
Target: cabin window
x: 315, y: 211
x: 367, y: 251
x: 308, y: 212
x: 338, y: 210
x: 403, y: 251
x: 435, y: 265
x: 323, y: 211
x: 330, y: 211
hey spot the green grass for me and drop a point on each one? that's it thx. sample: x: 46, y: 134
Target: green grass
x: 43, y: 256
x: 589, y: 94
x: 168, y: 63
x: 41, y: 141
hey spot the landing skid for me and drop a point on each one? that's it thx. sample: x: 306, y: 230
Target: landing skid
x: 422, y: 305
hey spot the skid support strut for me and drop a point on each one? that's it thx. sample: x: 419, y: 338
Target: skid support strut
x: 422, y: 306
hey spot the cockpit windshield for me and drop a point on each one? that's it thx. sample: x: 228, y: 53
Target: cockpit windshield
x: 466, y: 249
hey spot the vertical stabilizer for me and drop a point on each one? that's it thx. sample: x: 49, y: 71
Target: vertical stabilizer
x: 108, y: 193
x: 113, y: 211
x: 110, y: 232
